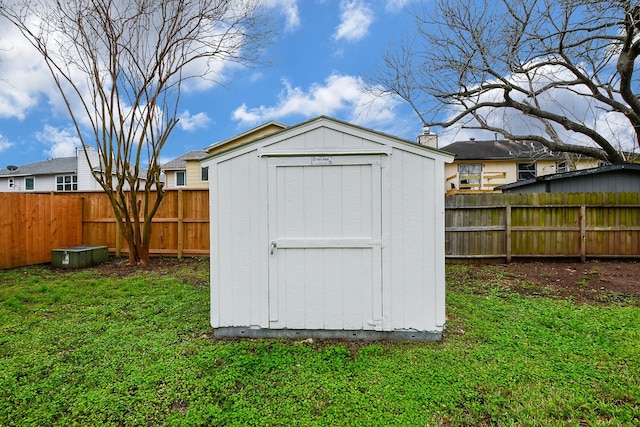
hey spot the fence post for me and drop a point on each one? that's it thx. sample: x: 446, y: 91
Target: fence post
x: 180, y: 223
x: 118, y: 239
x: 583, y: 233
x: 507, y: 229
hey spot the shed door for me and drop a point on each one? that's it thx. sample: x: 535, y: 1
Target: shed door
x: 325, y: 242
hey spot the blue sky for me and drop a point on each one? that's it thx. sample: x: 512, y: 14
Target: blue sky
x: 318, y: 60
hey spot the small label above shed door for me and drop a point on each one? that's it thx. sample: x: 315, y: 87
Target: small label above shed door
x: 319, y: 161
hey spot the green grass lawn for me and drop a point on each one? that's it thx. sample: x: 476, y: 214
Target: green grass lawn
x: 87, y: 348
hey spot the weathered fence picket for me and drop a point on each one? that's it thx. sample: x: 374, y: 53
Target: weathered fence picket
x: 546, y: 225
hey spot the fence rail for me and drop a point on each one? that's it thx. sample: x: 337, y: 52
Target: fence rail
x: 479, y: 227
x: 180, y: 227
x: 544, y: 225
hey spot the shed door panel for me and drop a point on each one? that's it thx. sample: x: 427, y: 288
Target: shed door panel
x: 325, y: 243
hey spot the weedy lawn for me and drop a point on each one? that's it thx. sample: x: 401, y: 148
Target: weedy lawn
x: 94, y: 347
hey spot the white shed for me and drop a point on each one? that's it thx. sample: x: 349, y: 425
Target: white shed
x: 326, y: 229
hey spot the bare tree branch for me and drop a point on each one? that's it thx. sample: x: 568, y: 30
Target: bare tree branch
x: 119, y: 66
x: 564, y: 64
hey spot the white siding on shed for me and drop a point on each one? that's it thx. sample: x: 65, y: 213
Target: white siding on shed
x: 327, y: 228
x: 417, y: 227
x: 238, y: 255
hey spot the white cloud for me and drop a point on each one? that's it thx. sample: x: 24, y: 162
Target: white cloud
x: 568, y: 103
x: 288, y: 8
x: 356, y: 18
x: 255, y: 77
x: 25, y: 81
x: 61, y: 142
x: 4, y: 143
x: 396, y: 5
x: 204, y: 73
x: 23, y: 75
x: 339, y: 95
x: 617, y: 130
x: 189, y: 122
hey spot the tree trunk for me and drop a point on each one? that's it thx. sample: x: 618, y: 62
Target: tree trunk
x: 138, y: 247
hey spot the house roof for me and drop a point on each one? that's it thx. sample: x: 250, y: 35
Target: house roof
x: 180, y: 163
x: 499, y: 150
x: 255, y: 133
x: 634, y: 168
x: 45, y: 167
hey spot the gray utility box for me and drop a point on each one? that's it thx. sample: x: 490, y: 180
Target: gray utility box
x: 79, y: 256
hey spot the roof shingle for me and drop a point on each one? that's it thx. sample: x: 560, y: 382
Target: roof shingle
x: 499, y: 150
x: 45, y: 167
x: 181, y: 162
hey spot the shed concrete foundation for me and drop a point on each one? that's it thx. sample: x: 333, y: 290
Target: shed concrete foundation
x: 240, y: 332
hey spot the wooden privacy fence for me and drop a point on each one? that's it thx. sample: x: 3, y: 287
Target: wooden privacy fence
x: 180, y: 227
x: 479, y: 227
x: 544, y: 225
x: 31, y: 225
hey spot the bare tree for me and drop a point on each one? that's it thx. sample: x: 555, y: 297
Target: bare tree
x: 541, y: 70
x: 120, y: 66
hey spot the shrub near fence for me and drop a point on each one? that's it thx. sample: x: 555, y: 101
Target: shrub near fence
x: 544, y: 225
x: 31, y: 225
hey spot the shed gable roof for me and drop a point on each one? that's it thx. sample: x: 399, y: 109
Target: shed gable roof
x: 362, y: 140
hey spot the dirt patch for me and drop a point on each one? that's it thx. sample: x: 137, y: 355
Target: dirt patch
x: 595, y: 281
x: 191, y: 270
x: 621, y: 277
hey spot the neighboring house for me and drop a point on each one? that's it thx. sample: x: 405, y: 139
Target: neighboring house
x: 186, y: 170
x: 248, y: 136
x: 59, y: 174
x: 608, y: 179
x: 481, y: 166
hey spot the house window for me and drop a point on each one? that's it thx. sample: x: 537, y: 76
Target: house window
x: 204, y: 173
x: 30, y: 183
x: 526, y: 171
x: 12, y: 184
x: 67, y: 183
x: 470, y: 174
x: 181, y: 180
x: 561, y: 167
